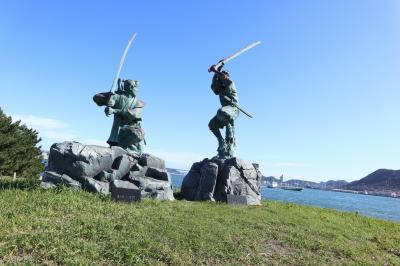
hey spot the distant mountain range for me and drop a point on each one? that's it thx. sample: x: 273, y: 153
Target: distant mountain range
x: 177, y: 171
x: 382, y: 180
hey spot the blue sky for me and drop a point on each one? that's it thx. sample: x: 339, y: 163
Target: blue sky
x: 324, y: 85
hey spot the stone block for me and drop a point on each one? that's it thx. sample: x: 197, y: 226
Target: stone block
x: 236, y: 200
x: 216, y: 179
x: 125, y: 191
x: 208, y: 179
x: 157, y: 173
x: 151, y: 161
x: 94, y: 168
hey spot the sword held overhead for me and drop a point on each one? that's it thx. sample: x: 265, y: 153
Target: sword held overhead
x: 217, y: 66
x: 121, y: 62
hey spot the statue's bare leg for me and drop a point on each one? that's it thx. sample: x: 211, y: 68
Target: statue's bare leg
x: 221, y: 142
x: 230, y: 139
x: 214, y: 125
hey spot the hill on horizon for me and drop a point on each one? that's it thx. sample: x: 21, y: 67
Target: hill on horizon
x: 381, y: 179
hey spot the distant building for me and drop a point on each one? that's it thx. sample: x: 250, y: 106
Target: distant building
x: 281, y: 180
x: 273, y: 185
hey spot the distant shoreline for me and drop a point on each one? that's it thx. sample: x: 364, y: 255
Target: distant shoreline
x: 370, y: 193
x: 367, y: 193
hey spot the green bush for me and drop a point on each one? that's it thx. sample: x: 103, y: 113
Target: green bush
x: 19, y: 150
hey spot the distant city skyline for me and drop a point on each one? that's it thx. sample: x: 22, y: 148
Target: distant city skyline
x: 323, y: 86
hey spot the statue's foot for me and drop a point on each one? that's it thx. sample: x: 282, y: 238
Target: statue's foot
x: 226, y: 151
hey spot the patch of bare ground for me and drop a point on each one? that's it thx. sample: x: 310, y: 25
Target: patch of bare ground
x: 274, y: 250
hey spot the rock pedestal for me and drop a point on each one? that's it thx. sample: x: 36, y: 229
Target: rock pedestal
x: 93, y: 167
x: 215, y: 179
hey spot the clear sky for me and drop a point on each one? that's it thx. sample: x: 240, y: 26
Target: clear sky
x: 324, y: 85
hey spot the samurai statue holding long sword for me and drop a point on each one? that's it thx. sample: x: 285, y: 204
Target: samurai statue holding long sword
x: 126, y: 130
x: 223, y: 86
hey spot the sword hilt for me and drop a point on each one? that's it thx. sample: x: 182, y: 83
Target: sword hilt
x: 216, y: 68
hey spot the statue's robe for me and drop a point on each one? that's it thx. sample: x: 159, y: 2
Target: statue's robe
x: 227, y: 113
x: 128, y: 114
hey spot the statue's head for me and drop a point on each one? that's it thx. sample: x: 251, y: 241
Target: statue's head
x: 225, y: 72
x: 131, y: 86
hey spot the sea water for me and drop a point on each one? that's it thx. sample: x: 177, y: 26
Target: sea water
x: 375, y: 206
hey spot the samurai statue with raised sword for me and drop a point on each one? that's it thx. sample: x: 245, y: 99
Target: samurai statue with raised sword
x: 223, y: 86
x: 126, y: 130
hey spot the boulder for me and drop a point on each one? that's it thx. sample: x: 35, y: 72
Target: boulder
x: 208, y: 179
x: 151, y: 161
x: 154, y: 188
x: 93, y: 167
x: 215, y: 179
x: 52, y: 179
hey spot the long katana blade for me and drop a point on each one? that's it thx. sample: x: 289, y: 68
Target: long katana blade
x: 241, y: 51
x: 243, y: 111
x: 121, y: 62
x: 237, y: 106
x: 214, y: 68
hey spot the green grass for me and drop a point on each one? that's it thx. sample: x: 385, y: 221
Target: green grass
x: 7, y: 182
x: 68, y: 227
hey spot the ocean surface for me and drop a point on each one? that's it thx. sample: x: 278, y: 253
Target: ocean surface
x: 374, y: 206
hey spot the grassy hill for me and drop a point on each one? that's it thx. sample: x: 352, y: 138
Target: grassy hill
x: 69, y: 227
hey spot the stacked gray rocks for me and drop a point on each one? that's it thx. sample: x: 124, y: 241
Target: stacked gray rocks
x: 93, y: 167
x: 215, y: 179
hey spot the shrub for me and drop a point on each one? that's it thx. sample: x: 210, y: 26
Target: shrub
x: 19, y: 150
